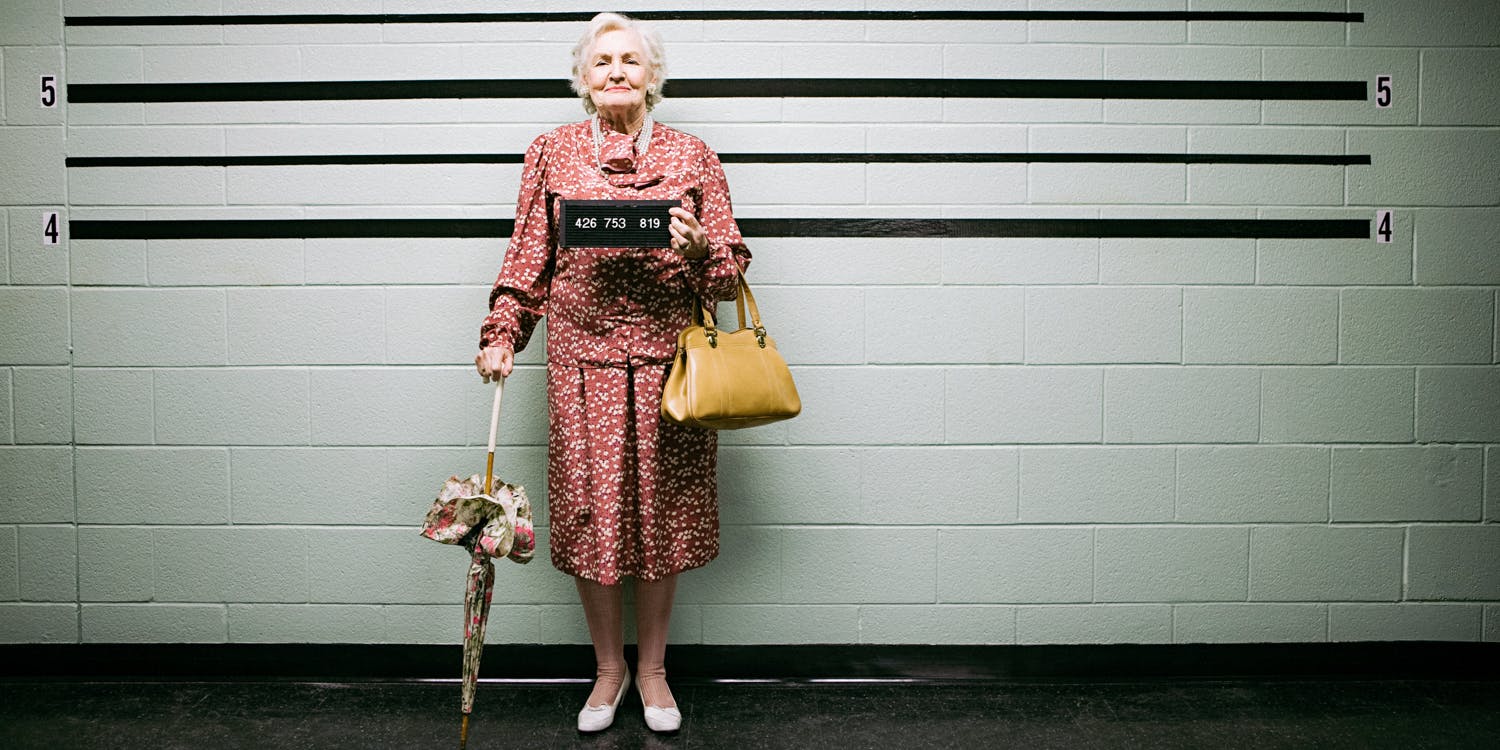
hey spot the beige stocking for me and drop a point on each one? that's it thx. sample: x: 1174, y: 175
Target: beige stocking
x: 602, y: 608
x: 653, y: 614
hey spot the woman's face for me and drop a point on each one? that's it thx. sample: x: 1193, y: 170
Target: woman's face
x: 617, y: 72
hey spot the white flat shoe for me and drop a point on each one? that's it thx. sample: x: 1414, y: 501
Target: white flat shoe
x: 598, y: 718
x: 661, y: 719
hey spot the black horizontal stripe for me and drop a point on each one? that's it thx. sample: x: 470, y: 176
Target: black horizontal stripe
x: 744, y: 158
x: 725, y: 15
x: 734, y: 88
x: 1223, y: 228
x: 499, y: 228
x: 289, y: 160
x: 1043, y: 158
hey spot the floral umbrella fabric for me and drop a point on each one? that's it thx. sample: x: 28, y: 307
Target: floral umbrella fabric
x: 502, y: 519
x: 497, y: 524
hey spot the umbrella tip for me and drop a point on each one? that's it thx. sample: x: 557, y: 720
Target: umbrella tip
x: 463, y: 734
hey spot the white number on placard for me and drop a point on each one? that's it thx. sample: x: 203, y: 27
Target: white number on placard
x: 1385, y: 224
x: 50, y: 230
x: 49, y: 91
x: 1382, y: 92
x: 585, y: 222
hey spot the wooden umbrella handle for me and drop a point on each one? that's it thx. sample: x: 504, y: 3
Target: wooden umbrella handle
x: 489, y: 463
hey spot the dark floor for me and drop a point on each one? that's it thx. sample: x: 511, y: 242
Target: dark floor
x: 370, y: 715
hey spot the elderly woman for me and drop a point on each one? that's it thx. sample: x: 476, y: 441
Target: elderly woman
x: 630, y: 495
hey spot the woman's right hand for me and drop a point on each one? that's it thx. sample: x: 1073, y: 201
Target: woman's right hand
x: 494, y: 362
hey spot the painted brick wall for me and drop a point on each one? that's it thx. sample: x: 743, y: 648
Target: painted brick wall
x: 1004, y: 440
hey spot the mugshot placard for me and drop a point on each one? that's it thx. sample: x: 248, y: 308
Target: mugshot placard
x: 594, y: 223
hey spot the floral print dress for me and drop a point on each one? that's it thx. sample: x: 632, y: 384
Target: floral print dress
x: 629, y: 493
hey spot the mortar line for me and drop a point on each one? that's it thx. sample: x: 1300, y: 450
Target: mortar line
x: 1344, y: 171
x: 1103, y: 410
x: 1093, y: 565
x: 151, y: 376
x: 1328, y: 486
x: 1176, y: 483
x: 229, y: 484
x: 1344, y: 174
x: 306, y: 569
x: 945, y: 421
x: 1338, y: 328
x: 1246, y: 527
x: 1411, y: 261
x: 16, y: 534
x: 780, y: 564
x: 5, y: 270
x: 1025, y: 302
x: 1018, y: 484
x: 1416, y: 401
x: 1405, y: 561
x: 1421, y: 58
x: 935, y: 560
x: 64, y: 211
x: 1249, y: 559
x: 849, y: 526
x: 1484, y: 483
x: 225, y: 297
x: 1261, y: 58
x: 1494, y: 324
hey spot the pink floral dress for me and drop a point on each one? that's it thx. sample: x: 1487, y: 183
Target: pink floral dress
x: 628, y: 493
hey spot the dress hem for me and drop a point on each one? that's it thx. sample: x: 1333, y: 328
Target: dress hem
x: 620, y: 578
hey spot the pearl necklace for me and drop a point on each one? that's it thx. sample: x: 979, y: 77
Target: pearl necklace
x: 642, y: 140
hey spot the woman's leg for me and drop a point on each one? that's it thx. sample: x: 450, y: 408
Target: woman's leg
x: 653, y: 613
x: 602, y: 608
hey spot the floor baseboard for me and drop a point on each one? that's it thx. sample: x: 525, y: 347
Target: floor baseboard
x: 789, y: 663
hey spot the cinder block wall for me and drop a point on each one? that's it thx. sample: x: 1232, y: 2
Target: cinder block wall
x: 1005, y: 440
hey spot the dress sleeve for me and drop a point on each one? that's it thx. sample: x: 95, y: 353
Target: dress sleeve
x: 519, y: 297
x: 712, y: 277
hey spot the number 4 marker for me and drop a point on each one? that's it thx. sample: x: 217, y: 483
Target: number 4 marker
x: 50, y: 230
x: 1385, y: 225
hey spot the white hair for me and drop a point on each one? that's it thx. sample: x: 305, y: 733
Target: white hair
x: 655, y: 59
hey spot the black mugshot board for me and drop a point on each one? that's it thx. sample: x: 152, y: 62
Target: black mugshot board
x: 619, y: 223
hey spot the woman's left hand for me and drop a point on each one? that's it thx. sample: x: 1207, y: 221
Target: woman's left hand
x: 688, y: 236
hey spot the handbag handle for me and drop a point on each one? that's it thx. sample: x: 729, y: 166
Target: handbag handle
x: 740, y: 300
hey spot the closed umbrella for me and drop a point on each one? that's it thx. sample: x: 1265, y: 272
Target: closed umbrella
x: 489, y: 518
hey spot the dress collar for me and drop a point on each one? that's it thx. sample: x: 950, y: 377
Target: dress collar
x: 617, y: 155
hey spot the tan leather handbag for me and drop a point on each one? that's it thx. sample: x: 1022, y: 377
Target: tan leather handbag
x: 726, y: 380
